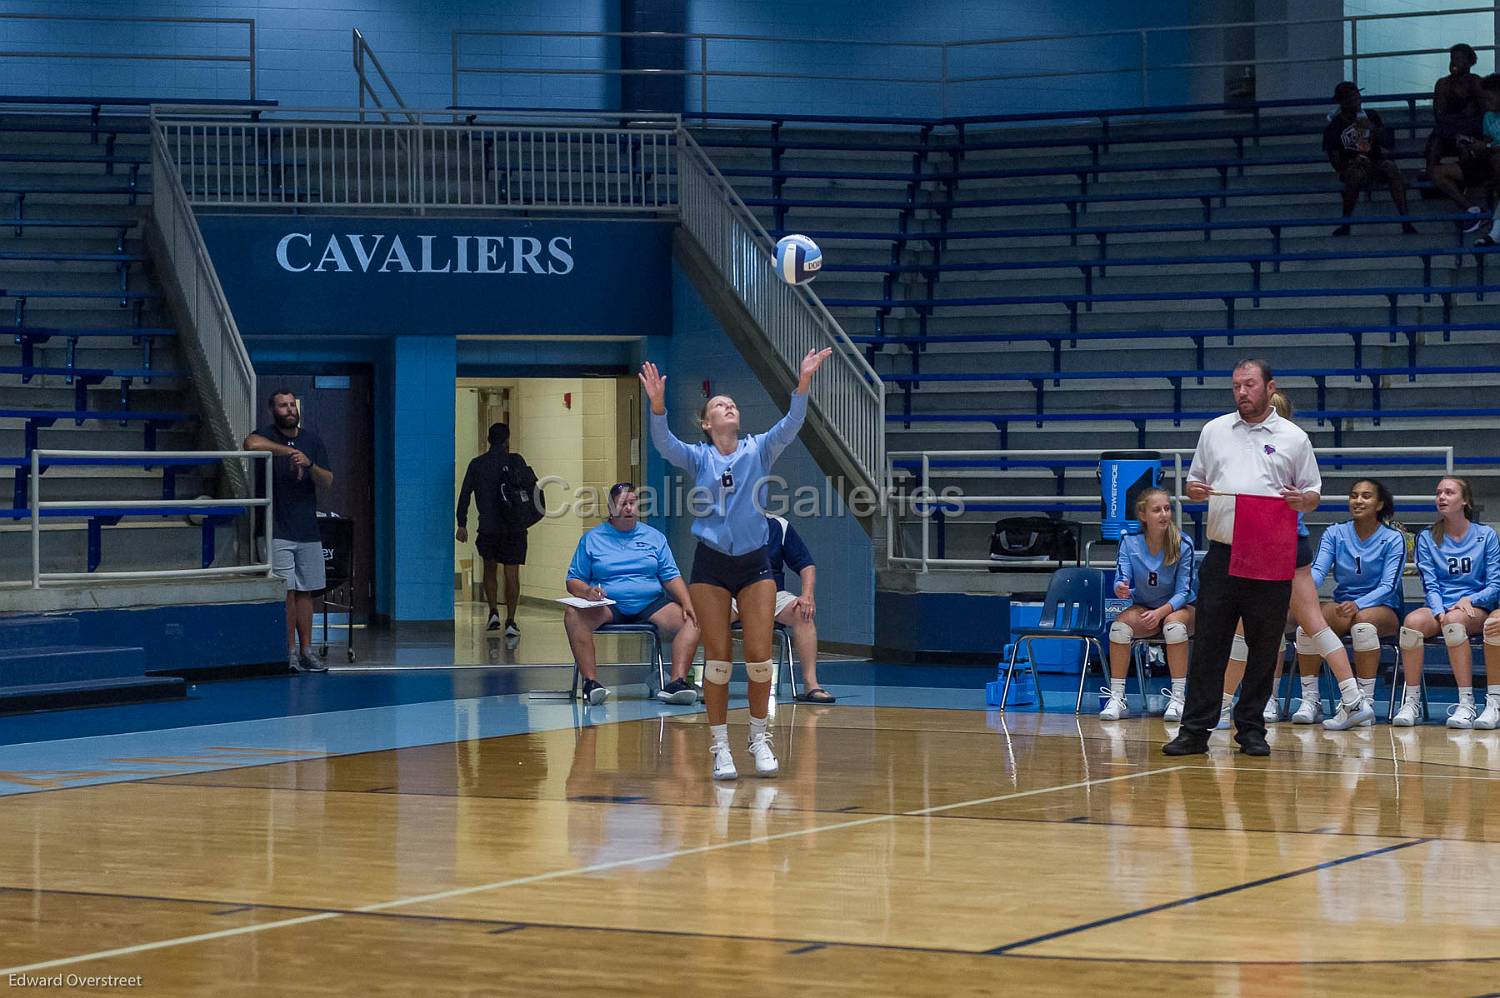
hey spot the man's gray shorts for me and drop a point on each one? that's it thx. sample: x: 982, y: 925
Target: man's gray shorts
x: 300, y: 563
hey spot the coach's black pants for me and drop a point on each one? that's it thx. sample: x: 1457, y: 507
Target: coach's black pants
x: 1222, y: 602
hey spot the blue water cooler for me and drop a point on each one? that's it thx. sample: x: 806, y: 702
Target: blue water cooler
x: 1123, y: 475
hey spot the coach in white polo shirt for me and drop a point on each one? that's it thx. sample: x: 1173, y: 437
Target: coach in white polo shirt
x: 1251, y: 451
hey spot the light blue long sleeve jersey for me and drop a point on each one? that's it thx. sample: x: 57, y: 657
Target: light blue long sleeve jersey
x: 1468, y: 566
x: 729, y: 513
x: 1152, y: 582
x: 1367, y: 572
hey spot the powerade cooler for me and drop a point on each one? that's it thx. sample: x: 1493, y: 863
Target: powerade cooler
x: 1123, y: 475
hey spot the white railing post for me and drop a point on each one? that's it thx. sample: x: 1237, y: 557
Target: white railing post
x: 36, y: 519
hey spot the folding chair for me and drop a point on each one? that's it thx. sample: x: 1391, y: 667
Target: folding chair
x: 1073, y: 610
x: 654, y: 658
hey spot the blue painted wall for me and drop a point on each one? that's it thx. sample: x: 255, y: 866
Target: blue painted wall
x: 697, y: 351
x: 305, y: 51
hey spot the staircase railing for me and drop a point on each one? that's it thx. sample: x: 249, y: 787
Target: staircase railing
x: 847, y: 392
x: 216, y: 353
x: 366, y: 89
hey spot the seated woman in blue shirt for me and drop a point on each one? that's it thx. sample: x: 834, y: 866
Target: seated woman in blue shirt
x: 1155, y: 570
x: 1459, y: 561
x: 727, y: 501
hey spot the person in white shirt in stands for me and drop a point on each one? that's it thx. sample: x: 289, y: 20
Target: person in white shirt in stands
x: 1155, y: 570
x: 1252, y: 452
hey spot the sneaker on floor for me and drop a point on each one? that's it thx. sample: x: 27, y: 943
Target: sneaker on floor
x: 765, y: 759
x: 511, y: 630
x: 1174, y: 706
x: 1272, y: 713
x: 1115, y: 708
x: 723, y: 761
x: 1489, y: 718
x: 678, y: 691
x: 310, y: 663
x: 494, y: 622
x: 1308, y: 712
x: 1409, y: 714
x: 1461, y: 715
x: 594, y: 692
x: 1476, y: 219
x: 1350, y: 716
x: 293, y: 662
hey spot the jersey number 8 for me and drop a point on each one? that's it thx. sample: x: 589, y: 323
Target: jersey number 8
x: 1151, y: 580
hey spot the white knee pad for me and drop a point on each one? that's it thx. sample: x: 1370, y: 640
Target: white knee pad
x: 1411, y: 638
x: 1325, y: 642
x: 1455, y: 634
x: 717, y: 672
x: 1365, y: 637
x: 1492, y: 632
x: 1238, y: 650
x: 1305, y: 644
x: 1174, y: 632
x: 759, y: 672
x: 1120, y: 633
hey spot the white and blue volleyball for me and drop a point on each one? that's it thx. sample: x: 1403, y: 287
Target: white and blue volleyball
x: 798, y: 259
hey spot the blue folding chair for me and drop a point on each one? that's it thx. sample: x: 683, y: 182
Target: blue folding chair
x: 1074, y: 610
x: 654, y: 658
x: 783, y: 638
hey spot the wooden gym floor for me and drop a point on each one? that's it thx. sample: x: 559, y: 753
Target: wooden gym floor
x: 901, y: 851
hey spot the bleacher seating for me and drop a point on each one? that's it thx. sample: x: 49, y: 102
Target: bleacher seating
x: 1062, y: 281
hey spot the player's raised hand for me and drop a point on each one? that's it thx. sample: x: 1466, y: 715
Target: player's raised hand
x: 655, y: 384
x: 810, y: 365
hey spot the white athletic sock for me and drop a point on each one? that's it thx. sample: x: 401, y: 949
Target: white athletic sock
x: 1367, y: 688
x: 1309, y: 688
x: 1494, y: 690
x: 719, y: 733
x: 1117, y: 688
x: 1466, y: 696
x: 757, y: 726
x: 1351, y: 694
x: 1495, y: 229
x: 1228, y: 701
x: 1179, y: 688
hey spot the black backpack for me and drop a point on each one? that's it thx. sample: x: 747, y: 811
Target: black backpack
x: 521, y: 500
x: 1033, y: 537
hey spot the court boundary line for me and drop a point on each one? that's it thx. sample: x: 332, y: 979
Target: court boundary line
x: 1098, y: 923
x: 551, y: 875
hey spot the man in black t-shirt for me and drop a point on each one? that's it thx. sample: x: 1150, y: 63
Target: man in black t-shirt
x: 504, y: 489
x: 1358, y: 146
x: 300, y: 467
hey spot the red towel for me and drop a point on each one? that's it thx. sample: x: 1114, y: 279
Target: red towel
x: 1265, y: 539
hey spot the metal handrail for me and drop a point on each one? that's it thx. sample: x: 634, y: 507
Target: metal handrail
x: 220, y: 362
x: 848, y: 393
x: 942, y: 76
x: 362, y: 51
x: 65, y: 457
x: 246, y: 22
x: 922, y: 502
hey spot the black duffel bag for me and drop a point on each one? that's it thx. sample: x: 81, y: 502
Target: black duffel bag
x: 1033, y: 537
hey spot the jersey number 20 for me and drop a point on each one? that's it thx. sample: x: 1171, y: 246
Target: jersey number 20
x: 1460, y: 566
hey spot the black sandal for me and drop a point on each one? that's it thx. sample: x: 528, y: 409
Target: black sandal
x: 816, y: 695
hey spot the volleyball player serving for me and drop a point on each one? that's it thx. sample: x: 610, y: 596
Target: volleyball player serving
x: 729, y: 489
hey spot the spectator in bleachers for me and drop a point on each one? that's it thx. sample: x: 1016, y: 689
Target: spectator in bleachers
x: 786, y: 549
x: 1459, y: 561
x: 625, y: 560
x: 1489, y: 88
x: 1359, y: 147
x: 1156, y: 572
x: 1458, y: 113
x: 300, y: 468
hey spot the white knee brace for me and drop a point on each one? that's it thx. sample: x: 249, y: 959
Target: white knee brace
x: 1174, y: 632
x: 1411, y: 638
x: 1365, y: 637
x: 1120, y: 633
x: 1324, y: 643
x: 1455, y: 634
x: 716, y: 672
x: 759, y: 672
x: 1238, y: 650
x: 1492, y: 632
